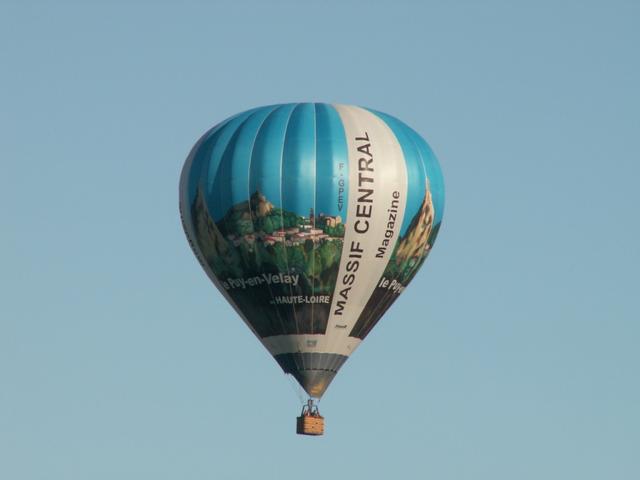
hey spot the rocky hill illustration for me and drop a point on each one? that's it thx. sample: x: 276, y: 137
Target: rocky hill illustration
x: 240, y: 217
x: 210, y: 240
x: 257, y: 215
x: 415, y: 242
x: 412, y: 248
x: 260, y: 206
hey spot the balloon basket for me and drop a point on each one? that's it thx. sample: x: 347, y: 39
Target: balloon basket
x: 310, y: 422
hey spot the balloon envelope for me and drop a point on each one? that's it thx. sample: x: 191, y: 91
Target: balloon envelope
x: 311, y: 219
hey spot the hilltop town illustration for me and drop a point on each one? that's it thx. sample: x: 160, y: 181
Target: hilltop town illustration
x: 254, y: 237
x: 271, y: 225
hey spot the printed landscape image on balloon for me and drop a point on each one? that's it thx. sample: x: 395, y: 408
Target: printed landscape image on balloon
x: 311, y: 219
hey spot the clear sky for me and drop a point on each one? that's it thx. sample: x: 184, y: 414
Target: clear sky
x: 513, y: 354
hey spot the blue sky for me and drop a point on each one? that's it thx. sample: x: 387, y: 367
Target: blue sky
x: 513, y: 354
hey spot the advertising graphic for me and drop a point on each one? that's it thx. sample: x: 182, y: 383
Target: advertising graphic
x: 311, y: 219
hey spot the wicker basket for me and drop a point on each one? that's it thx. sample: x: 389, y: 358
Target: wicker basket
x: 310, y: 425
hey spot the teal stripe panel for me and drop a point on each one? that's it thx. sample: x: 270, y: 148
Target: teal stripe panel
x: 332, y: 169
x: 214, y: 178
x: 299, y: 162
x: 240, y: 157
x: 266, y: 162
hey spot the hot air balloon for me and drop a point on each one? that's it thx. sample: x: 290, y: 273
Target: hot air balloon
x: 311, y: 219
